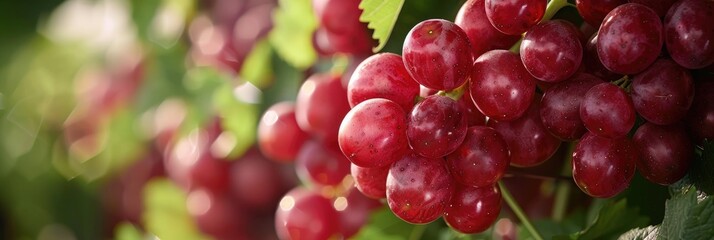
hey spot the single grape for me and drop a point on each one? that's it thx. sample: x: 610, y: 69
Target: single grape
x: 383, y: 75
x: 418, y: 188
x: 216, y: 215
x: 665, y: 152
x: 482, y: 35
x: 437, y: 54
x: 594, y: 11
x: 279, y: 136
x: 481, y: 159
x: 304, y: 214
x: 607, y: 111
x: 501, y: 87
x: 659, y: 6
x: 372, y: 182
x: 191, y: 164
x: 663, y: 93
x: 321, y: 165
x: 603, y: 167
x: 560, y: 106
x: 701, y: 115
x: 473, y: 210
x: 321, y: 104
x: 688, y: 33
x: 551, y: 51
x: 436, y: 126
x: 630, y: 38
x: 529, y: 142
x: 256, y: 182
x: 373, y: 134
x: 514, y: 17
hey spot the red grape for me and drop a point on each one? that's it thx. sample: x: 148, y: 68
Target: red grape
x: 689, y: 34
x: 607, y: 111
x: 482, y: 35
x: 594, y: 11
x: 659, y: 6
x: 354, y: 210
x: 514, y: 17
x: 373, y: 134
x: 474, y: 117
x: 473, y: 210
x: 551, y: 51
x: 665, y: 152
x: 436, y: 127
x: 437, y: 54
x: 321, y: 104
x: 418, y: 188
x: 593, y: 65
x: 663, y: 93
x: 560, y: 106
x: 701, y: 115
x: 320, y: 165
x: 256, y: 182
x: 279, y: 136
x: 481, y: 159
x: 303, y: 214
x: 500, y: 86
x: 340, y: 19
x: 630, y: 38
x: 603, y: 167
x: 383, y: 76
x: 372, y: 182
x: 216, y: 215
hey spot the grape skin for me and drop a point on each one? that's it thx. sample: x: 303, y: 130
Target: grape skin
x: 689, y: 34
x: 320, y: 165
x: 383, y: 75
x: 482, y: 158
x: 320, y: 106
x: 663, y: 93
x: 372, y: 182
x: 514, y: 17
x: 501, y: 87
x: 560, y: 106
x: 473, y: 210
x: 551, y: 51
x: 279, y: 136
x: 304, y: 214
x: 607, y: 111
x: 594, y: 11
x: 603, y: 167
x: 437, y: 126
x: 665, y: 152
x: 482, y: 35
x: 629, y: 39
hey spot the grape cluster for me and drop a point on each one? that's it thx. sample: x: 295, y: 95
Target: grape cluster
x: 434, y: 130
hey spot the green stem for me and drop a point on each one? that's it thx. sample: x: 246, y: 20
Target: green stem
x: 516, y: 48
x: 455, y: 94
x: 417, y: 232
x: 518, y: 211
x: 553, y: 7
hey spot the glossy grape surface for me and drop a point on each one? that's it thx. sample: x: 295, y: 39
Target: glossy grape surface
x: 320, y: 165
x: 473, y: 210
x: 372, y: 182
x: 436, y: 126
x: 320, y: 106
x: 482, y: 35
x: 383, y: 75
x: 604, y: 167
x: 481, y: 159
x: 551, y: 51
x: 629, y: 39
x: 501, y: 87
x: 665, y: 152
x: 689, y: 33
x: 514, y: 17
x: 663, y: 93
x: 279, y: 136
x: 607, y: 111
x: 560, y: 106
x: 304, y: 214
x: 594, y: 11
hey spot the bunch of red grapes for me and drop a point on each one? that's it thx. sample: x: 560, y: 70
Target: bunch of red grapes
x: 483, y: 108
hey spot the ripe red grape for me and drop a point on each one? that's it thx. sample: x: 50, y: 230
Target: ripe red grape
x: 340, y: 19
x: 437, y: 54
x: 701, y: 115
x: 481, y: 159
x: 354, y: 210
x: 256, y: 182
x: 663, y: 93
x: 373, y: 134
x: 630, y: 38
x: 216, y: 215
x: 372, y: 182
x: 603, y: 167
x: 594, y: 11
x: 607, y: 111
x: 482, y: 35
x: 418, y: 188
x: 529, y: 142
x: 591, y: 62
x: 436, y: 126
x: 473, y: 210
x: 501, y: 87
x: 279, y: 136
x: 514, y: 17
x: 560, y: 106
x: 689, y: 34
x: 304, y: 214
x: 383, y: 75
x: 321, y: 165
x: 321, y: 104
x: 665, y: 152
x: 551, y: 51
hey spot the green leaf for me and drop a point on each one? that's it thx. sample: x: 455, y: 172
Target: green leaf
x: 257, y: 68
x: 613, y: 219
x: 688, y: 215
x: 380, y: 15
x: 293, y: 27
x: 650, y: 232
x: 126, y: 231
x: 239, y: 120
x: 165, y: 212
x: 701, y: 171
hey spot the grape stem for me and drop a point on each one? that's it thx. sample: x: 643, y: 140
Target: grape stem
x: 518, y: 211
x: 455, y: 94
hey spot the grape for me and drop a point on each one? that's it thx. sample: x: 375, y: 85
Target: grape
x: 321, y: 105
x: 474, y: 117
x: 689, y: 34
x: 192, y: 166
x: 436, y: 126
x: 279, y: 136
x: 630, y: 38
x: 418, y: 188
x: 665, y: 152
x: 592, y: 64
x: 514, y: 17
x: 256, y: 182
x: 482, y: 35
x: 701, y: 115
x: 663, y: 93
x: 594, y: 11
x: 320, y: 165
x: 354, y: 210
x: 560, y: 106
x: 603, y: 167
x: 473, y: 210
x: 607, y: 111
x: 372, y: 182
x: 528, y: 140
x: 659, y: 6
x: 340, y: 19
x: 216, y: 215
x: 501, y: 87
x: 481, y: 159
x: 373, y: 134
x: 551, y: 51
x: 437, y: 54
x: 383, y: 75
x: 303, y: 214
